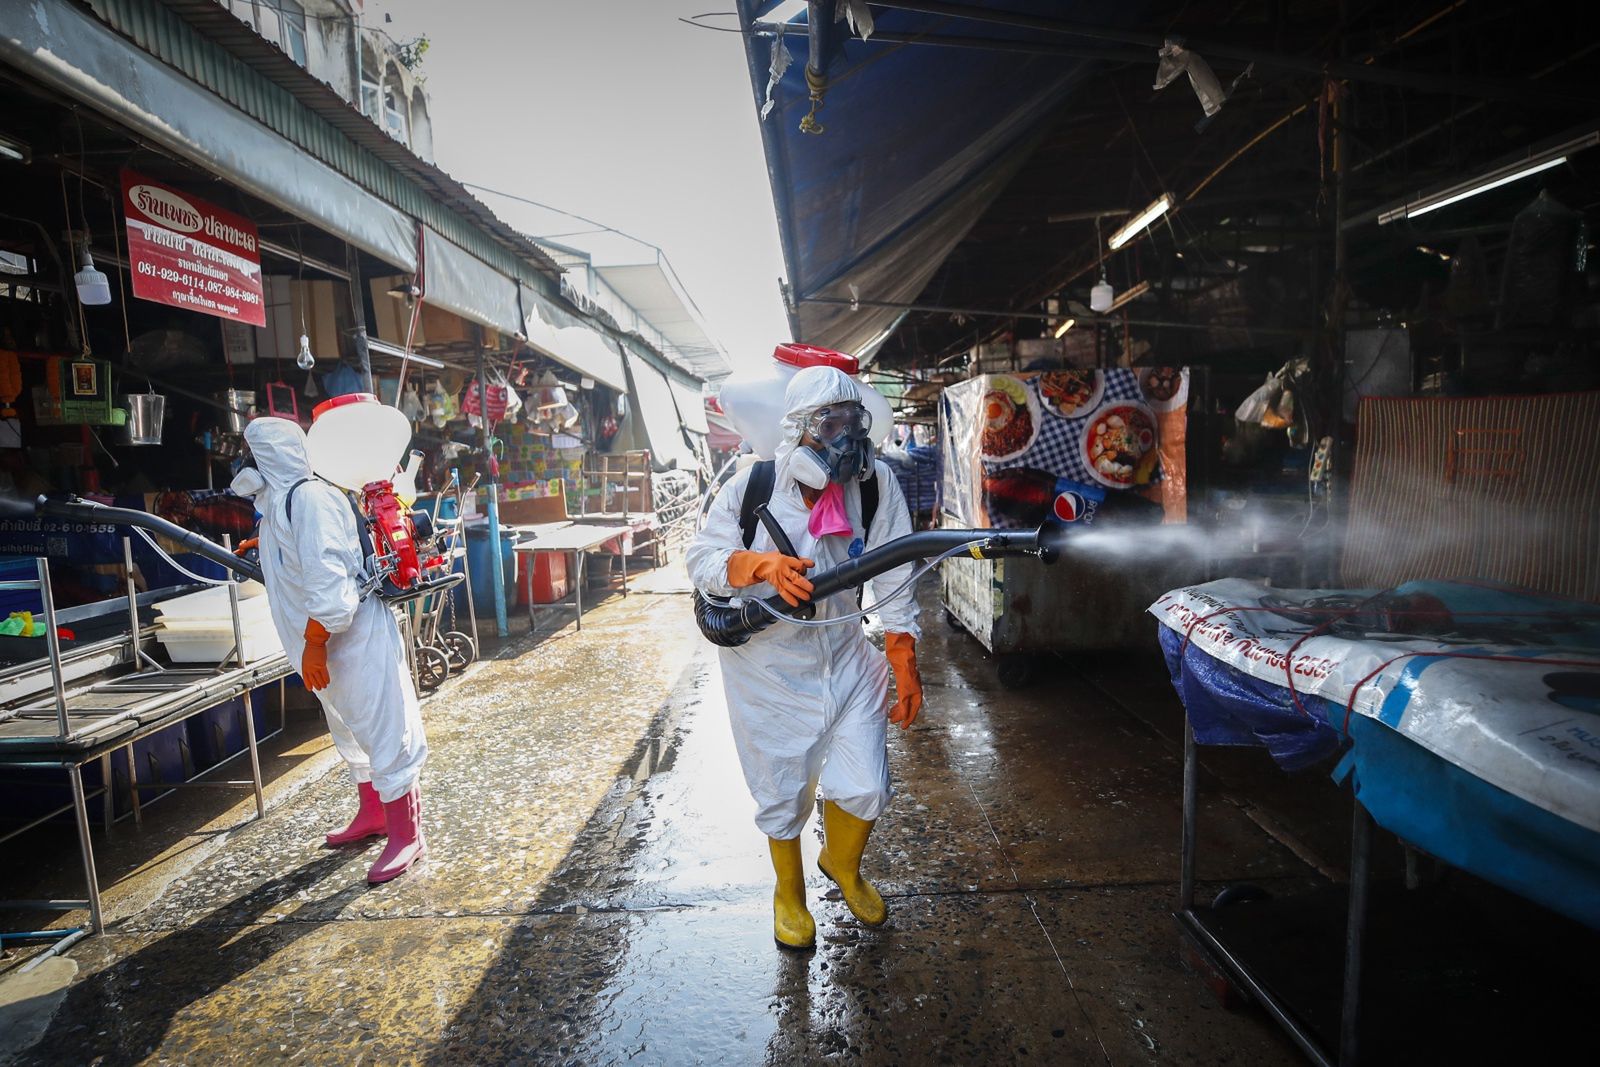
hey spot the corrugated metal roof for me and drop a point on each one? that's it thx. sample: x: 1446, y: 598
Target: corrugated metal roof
x: 208, y: 44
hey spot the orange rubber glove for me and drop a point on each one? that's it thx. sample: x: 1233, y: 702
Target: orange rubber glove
x: 902, y: 652
x: 246, y: 545
x: 314, y: 662
x: 786, y: 574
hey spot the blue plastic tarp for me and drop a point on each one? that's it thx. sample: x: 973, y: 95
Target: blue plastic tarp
x: 917, y: 142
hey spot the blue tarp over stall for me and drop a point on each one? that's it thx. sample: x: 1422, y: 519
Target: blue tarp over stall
x: 917, y: 143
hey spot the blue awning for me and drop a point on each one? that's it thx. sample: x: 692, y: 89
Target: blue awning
x: 918, y: 141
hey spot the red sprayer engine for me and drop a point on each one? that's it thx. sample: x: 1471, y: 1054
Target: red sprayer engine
x: 357, y: 443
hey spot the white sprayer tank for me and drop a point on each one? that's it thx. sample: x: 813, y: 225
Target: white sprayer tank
x: 754, y: 404
x: 355, y: 440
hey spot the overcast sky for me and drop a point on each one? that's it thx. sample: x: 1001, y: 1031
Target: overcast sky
x: 615, y: 110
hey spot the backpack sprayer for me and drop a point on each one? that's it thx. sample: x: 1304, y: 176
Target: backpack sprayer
x: 353, y: 443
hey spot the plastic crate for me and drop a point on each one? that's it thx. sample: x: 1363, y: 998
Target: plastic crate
x: 28, y: 792
x: 218, y: 733
x: 163, y: 757
x: 545, y: 582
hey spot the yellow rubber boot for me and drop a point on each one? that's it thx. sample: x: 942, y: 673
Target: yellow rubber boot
x: 845, y: 838
x: 792, y: 924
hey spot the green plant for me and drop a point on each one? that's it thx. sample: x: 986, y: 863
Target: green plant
x: 410, y: 53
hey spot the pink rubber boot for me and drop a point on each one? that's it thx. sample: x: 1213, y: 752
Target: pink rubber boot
x: 405, y: 847
x: 369, y: 821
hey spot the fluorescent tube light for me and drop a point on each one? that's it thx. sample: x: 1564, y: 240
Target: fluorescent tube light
x: 1130, y: 294
x: 1061, y: 331
x: 1136, y: 225
x: 1529, y: 164
x: 1412, y: 213
x: 785, y: 12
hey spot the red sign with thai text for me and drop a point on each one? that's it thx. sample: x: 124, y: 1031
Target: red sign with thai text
x: 187, y: 253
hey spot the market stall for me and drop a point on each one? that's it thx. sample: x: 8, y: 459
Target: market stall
x: 109, y: 699
x: 1455, y: 677
x: 1101, y: 449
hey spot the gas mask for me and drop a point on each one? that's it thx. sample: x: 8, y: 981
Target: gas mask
x: 843, y: 452
x: 247, y: 480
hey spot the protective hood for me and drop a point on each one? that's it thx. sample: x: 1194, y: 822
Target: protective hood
x: 279, y: 448
x: 810, y: 389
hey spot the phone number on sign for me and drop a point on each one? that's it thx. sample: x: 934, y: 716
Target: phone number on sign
x: 199, y: 285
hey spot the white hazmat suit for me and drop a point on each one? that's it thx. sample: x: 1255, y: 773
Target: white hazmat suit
x: 312, y: 568
x: 807, y: 704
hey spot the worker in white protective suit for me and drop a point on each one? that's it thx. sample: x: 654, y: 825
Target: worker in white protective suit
x: 348, y: 650
x: 809, y: 704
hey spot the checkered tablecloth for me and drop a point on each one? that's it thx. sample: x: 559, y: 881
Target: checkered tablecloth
x: 1058, y: 448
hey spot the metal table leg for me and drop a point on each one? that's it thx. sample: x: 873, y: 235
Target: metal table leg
x: 580, y: 557
x: 255, y: 756
x: 1355, y: 934
x: 108, y: 792
x: 624, y: 544
x: 1191, y: 787
x: 80, y: 808
x: 133, y: 788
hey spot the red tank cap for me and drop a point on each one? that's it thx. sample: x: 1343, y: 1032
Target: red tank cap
x: 796, y: 354
x: 341, y: 401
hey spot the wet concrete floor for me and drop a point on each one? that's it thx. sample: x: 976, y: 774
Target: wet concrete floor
x: 596, y: 891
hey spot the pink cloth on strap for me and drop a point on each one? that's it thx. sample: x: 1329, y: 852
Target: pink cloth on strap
x: 827, y: 514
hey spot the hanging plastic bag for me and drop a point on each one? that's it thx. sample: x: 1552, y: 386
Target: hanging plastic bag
x: 411, y: 403
x: 1258, y: 403
x: 502, y: 400
x: 1175, y: 59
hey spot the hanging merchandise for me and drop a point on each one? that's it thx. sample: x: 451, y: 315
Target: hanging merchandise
x: 411, y: 403
x: 146, y: 413
x: 281, y: 401
x: 608, y: 430
x: 503, y: 401
x: 437, y: 402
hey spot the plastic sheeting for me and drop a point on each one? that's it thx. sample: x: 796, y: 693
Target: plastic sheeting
x: 1228, y: 707
x: 459, y: 281
x: 1500, y: 683
x: 1411, y: 791
x: 565, y: 338
x: 1470, y: 824
x: 691, y: 407
x: 659, y: 412
x: 58, y: 45
x: 917, y: 143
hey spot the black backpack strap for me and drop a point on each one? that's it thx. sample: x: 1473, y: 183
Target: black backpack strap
x: 288, y: 503
x: 869, y: 505
x: 869, y: 511
x: 757, y: 491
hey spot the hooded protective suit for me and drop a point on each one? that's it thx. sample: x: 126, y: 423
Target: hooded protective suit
x: 807, y: 704
x: 312, y: 568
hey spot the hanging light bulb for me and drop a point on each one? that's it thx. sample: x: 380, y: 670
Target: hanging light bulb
x: 1101, y: 296
x: 93, y: 286
x: 305, y: 360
